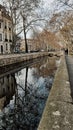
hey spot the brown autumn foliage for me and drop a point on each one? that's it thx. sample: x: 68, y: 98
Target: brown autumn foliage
x: 47, y: 40
x: 67, y: 30
x: 60, y: 22
x: 60, y: 19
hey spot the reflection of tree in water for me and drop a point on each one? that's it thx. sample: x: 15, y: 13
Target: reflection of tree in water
x: 27, y: 107
x: 21, y: 115
x: 48, y: 67
x: 29, y: 101
x: 25, y: 114
x: 34, y: 105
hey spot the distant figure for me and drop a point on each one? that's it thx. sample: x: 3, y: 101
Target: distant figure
x: 66, y: 51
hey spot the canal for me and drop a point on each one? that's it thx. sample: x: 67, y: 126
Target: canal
x: 23, y: 93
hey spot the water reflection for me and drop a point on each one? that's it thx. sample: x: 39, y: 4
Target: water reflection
x: 7, y: 89
x: 23, y: 95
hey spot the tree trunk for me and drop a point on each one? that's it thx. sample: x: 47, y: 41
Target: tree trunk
x: 26, y: 46
x: 26, y: 82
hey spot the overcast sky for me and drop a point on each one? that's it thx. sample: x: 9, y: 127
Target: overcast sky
x: 48, y: 2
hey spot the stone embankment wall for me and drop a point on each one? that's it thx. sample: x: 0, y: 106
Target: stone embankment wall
x: 58, y: 112
x: 17, y: 58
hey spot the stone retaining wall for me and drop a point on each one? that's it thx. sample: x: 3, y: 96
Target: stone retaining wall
x: 17, y: 58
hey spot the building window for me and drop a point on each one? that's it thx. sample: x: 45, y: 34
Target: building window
x: 0, y: 37
x: 9, y: 29
x: 0, y: 25
x: 6, y: 37
x: 5, y: 27
x: 6, y: 47
x: 5, y: 24
x: 10, y: 38
x: 9, y: 25
x: 1, y: 49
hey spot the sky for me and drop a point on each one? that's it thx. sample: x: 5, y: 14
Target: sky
x: 0, y: 1
x: 48, y: 2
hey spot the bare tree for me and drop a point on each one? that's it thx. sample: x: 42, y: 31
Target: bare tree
x: 23, y: 15
x: 66, y: 2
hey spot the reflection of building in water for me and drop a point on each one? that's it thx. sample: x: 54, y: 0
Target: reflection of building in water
x: 7, y: 89
x: 2, y: 102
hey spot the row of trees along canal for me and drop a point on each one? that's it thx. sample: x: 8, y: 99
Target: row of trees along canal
x: 25, y: 16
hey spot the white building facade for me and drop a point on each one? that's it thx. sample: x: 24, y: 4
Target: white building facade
x: 5, y: 31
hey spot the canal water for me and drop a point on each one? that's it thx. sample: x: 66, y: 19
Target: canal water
x: 23, y: 94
